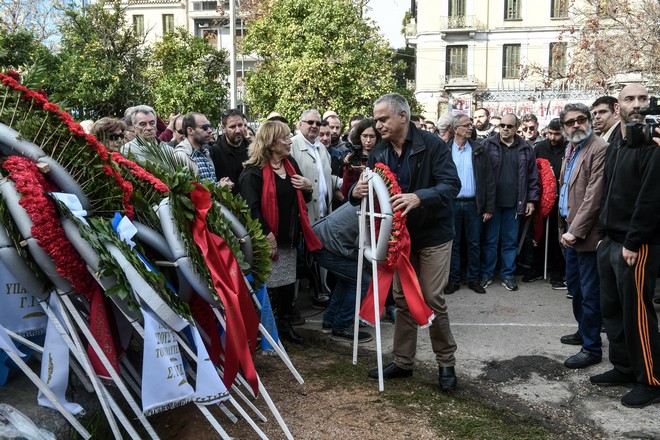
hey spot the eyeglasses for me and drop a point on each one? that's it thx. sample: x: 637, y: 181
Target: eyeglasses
x: 116, y: 136
x: 368, y: 136
x: 205, y: 127
x: 507, y: 126
x: 180, y: 131
x: 580, y: 120
x: 317, y: 123
x: 469, y: 124
x: 528, y: 129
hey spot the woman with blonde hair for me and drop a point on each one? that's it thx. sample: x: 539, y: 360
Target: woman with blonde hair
x: 276, y: 193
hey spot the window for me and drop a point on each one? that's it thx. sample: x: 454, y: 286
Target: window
x: 456, y: 61
x: 205, y: 6
x: 457, y: 8
x: 511, y: 61
x: 138, y: 24
x: 168, y: 23
x: 512, y: 9
x: 557, y: 62
x: 559, y: 9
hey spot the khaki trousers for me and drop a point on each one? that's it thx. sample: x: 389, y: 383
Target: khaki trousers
x: 432, y: 265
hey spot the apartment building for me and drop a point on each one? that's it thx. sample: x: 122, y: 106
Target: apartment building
x: 499, y: 54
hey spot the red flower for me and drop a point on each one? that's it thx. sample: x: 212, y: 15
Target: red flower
x: 14, y: 75
x: 49, y: 106
x: 398, y: 221
x: 139, y: 172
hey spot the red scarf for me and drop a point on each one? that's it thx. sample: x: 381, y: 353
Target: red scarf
x: 269, y: 205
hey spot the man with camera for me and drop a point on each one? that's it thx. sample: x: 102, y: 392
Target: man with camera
x: 629, y: 253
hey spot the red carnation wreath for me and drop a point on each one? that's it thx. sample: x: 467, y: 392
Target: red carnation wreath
x: 548, y: 186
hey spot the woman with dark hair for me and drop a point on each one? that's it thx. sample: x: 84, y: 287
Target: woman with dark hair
x: 364, y: 135
x: 276, y: 193
x: 110, y: 132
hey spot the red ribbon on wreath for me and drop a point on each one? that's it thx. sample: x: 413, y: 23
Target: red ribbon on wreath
x: 548, y: 188
x: 241, y: 318
x: 397, y: 261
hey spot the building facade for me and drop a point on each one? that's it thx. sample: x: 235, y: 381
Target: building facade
x: 498, y: 54
x: 202, y: 18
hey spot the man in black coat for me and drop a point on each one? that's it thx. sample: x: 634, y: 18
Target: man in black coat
x: 427, y: 176
x: 230, y: 151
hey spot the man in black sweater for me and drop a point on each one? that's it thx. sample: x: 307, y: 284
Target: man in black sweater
x: 629, y: 258
x: 230, y: 151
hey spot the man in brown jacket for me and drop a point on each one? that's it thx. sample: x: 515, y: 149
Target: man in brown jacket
x: 581, y: 188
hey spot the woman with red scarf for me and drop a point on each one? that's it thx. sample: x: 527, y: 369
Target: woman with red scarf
x: 276, y: 193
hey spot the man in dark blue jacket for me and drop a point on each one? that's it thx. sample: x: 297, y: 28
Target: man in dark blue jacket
x: 516, y: 190
x: 429, y: 184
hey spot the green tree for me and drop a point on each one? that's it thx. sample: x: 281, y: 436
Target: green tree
x: 23, y: 51
x: 317, y: 54
x: 189, y: 74
x: 103, y: 62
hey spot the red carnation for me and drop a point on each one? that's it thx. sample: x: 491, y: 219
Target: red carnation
x: 14, y: 74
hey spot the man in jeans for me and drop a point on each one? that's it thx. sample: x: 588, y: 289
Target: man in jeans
x: 339, y: 233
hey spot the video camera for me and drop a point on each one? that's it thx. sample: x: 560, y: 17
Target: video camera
x: 642, y: 133
x: 357, y: 156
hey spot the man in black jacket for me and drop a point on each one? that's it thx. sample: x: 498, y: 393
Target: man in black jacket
x: 230, y: 151
x: 429, y: 183
x: 474, y: 204
x: 629, y: 258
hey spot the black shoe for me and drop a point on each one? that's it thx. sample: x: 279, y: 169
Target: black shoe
x: 392, y: 371
x: 583, y: 359
x: 558, y: 285
x: 326, y: 328
x: 574, y: 339
x: 612, y: 378
x: 286, y: 332
x: 347, y: 335
x: 447, y: 379
x: 569, y: 295
x: 476, y: 287
x: 451, y: 288
x: 531, y: 276
x: 510, y: 285
x: 640, y: 396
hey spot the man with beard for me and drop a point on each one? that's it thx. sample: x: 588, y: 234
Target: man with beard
x: 337, y: 147
x: 482, y: 123
x: 516, y: 191
x: 336, y: 164
x: 191, y: 151
x: 581, y: 189
x: 629, y: 258
x: 142, y: 119
x: 552, y: 149
x: 230, y: 151
x: 605, y: 113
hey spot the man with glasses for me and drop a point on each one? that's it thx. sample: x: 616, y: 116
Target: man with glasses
x: 580, y: 193
x: 516, y: 191
x: 530, y: 129
x: 143, y: 122
x: 605, y: 114
x: 230, y: 150
x: 474, y: 204
x: 314, y: 161
x: 178, y: 134
x: 192, y: 152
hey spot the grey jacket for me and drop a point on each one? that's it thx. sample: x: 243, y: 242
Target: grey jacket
x: 339, y: 231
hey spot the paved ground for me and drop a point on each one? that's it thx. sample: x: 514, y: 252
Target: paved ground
x: 512, y: 339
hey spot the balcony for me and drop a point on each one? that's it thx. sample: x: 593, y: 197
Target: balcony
x: 460, y: 24
x: 458, y: 82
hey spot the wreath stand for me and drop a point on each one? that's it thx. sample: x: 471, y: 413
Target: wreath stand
x: 374, y: 251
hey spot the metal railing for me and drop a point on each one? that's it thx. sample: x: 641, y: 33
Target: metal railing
x: 461, y: 22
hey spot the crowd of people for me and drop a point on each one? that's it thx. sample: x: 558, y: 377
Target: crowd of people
x: 471, y: 192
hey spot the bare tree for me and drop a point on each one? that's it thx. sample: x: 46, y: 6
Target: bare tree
x: 40, y: 16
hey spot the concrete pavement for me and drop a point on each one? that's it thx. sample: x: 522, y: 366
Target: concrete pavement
x: 512, y: 339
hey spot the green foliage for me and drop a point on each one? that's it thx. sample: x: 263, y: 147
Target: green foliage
x: 189, y: 74
x: 22, y: 51
x: 103, y: 62
x: 317, y: 54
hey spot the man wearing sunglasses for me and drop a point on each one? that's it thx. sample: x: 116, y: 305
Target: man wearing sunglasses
x: 178, y: 134
x: 516, y: 191
x: 580, y: 193
x: 192, y: 151
x: 230, y: 150
x: 530, y: 129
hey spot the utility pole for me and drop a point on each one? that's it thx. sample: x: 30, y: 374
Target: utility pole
x: 232, y: 53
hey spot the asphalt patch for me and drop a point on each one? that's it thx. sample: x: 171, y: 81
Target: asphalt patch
x: 522, y: 367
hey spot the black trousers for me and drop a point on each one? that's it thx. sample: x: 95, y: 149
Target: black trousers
x: 626, y: 303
